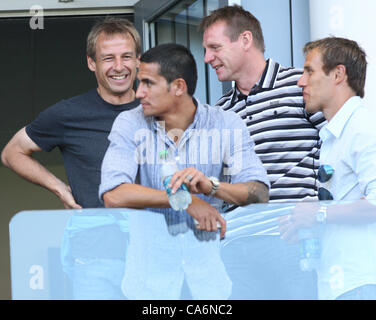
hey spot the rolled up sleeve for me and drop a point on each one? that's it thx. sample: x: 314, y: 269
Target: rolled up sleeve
x: 119, y: 163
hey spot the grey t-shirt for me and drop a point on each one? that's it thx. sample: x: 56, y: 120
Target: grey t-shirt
x: 79, y: 127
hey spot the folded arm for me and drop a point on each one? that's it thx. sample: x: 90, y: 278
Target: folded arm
x: 358, y: 212
x: 239, y: 193
x: 137, y: 196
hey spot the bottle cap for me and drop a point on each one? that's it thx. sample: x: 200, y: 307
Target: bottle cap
x: 163, y: 154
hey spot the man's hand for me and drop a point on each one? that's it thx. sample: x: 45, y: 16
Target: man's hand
x: 194, y: 179
x: 302, y: 216
x: 66, y: 197
x: 206, y: 215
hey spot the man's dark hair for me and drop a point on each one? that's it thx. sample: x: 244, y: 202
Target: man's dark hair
x: 336, y: 51
x: 175, y: 61
x: 237, y: 20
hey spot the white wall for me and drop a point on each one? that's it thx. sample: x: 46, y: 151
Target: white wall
x: 350, y: 19
x: 282, y: 44
x: 275, y: 26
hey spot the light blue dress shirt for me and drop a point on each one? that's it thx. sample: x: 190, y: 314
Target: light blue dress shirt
x: 164, y: 245
x: 349, y: 251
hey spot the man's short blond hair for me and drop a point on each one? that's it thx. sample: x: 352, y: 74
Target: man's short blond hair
x: 112, y: 26
x: 237, y: 21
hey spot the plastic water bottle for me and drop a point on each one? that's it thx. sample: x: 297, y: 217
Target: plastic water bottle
x: 181, y: 199
x: 310, y: 249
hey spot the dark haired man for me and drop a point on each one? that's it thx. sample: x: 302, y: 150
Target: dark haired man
x: 170, y: 118
x: 267, y: 98
x: 333, y: 82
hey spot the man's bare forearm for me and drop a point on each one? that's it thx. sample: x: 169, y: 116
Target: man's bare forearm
x: 242, y: 194
x: 22, y: 163
x: 135, y: 196
x: 257, y: 192
x: 17, y: 155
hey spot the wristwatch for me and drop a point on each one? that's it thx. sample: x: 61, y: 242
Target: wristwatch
x: 215, y: 186
x: 321, y: 215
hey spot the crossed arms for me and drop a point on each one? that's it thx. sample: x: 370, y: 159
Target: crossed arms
x: 138, y: 196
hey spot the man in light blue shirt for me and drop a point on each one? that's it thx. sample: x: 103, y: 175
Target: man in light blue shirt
x: 217, y: 162
x: 333, y: 82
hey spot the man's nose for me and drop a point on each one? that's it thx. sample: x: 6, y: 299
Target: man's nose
x: 118, y: 64
x: 209, y: 57
x: 301, y: 82
x: 139, y: 92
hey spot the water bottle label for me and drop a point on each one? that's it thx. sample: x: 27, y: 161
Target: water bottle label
x: 167, y: 180
x: 310, y: 248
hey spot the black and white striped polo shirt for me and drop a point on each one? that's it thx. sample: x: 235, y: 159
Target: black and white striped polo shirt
x: 285, y: 135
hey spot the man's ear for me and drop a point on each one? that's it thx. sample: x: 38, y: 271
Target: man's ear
x: 246, y: 39
x: 340, y: 73
x: 179, y: 86
x: 91, y: 64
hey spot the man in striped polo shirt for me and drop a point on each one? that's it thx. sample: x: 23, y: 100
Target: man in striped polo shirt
x: 269, y: 101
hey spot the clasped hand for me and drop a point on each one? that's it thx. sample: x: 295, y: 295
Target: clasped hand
x: 302, y: 216
x: 208, y: 217
x: 194, y: 179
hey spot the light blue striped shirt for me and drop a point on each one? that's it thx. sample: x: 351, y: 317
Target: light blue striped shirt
x: 217, y: 143
x: 164, y: 245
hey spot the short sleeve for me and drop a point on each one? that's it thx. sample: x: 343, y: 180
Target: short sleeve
x: 47, y: 129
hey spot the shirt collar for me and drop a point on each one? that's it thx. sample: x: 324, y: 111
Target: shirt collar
x: 269, y: 76
x: 159, y: 125
x: 199, y: 110
x: 266, y: 81
x: 336, y: 125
